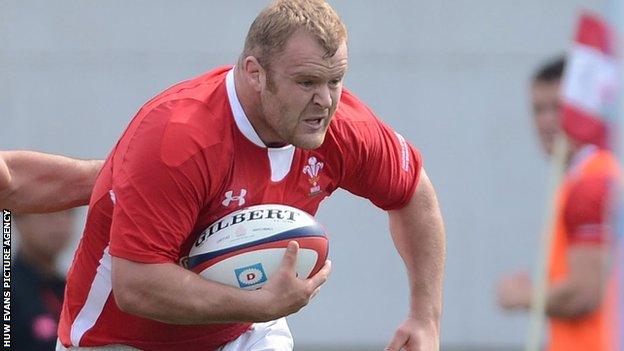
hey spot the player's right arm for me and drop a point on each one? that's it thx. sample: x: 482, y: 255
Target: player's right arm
x: 37, y: 182
x: 171, y: 294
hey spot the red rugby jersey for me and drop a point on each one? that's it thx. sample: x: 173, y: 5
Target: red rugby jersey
x: 189, y: 157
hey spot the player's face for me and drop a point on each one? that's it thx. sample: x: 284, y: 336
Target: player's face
x: 302, y: 91
x: 546, y: 113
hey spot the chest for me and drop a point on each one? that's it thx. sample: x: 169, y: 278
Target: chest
x: 254, y: 176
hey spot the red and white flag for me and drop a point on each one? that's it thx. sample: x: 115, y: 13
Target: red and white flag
x: 590, y: 82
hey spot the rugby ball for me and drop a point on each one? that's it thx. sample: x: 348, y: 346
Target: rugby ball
x: 245, y: 247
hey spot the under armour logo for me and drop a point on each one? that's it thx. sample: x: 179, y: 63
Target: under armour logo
x: 229, y: 197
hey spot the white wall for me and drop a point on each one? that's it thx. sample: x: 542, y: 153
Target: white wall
x: 449, y: 75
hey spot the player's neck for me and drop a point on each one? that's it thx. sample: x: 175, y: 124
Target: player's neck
x: 573, y: 149
x: 251, y: 104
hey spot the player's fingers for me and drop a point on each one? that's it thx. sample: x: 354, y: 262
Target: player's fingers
x: 289, y: 261
x: 398, y: 341
x: 321, y: 276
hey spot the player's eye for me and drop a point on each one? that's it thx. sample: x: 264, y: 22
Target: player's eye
x: 306, y: 83
x: 335, y: 82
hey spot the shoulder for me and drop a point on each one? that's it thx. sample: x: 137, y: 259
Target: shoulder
x: 591, y: 162
x: 352, y: 109
x: 198, y: 102
x: 603, y: 163
x: 590, y: 181
x: 184, y: 120
x: 353, y: 118
x: 205, y: 87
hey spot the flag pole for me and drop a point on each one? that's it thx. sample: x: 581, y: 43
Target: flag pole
x: 540, y: 271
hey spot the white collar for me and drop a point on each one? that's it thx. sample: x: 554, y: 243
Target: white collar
x: 242, y: 122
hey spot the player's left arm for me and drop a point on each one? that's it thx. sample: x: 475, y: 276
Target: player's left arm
x: 418, y: 233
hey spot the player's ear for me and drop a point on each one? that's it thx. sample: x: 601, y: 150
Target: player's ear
x: 255, y: 73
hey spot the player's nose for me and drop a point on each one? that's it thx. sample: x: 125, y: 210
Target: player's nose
x: 322, y: 96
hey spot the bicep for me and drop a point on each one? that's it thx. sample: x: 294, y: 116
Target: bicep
x: 589, y: 229
x: 423, y: 205
x: 419, y: 220
x: 133, y: 282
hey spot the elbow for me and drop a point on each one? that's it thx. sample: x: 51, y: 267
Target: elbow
x: 587, y: 300
x: 128, y: 291
x: 128, y: 300
x: 586, y: 305
x: 578, y: 306
x: 124, y: 301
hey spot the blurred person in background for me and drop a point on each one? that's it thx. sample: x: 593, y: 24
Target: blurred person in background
x: 575, y: 298
x: 38, y: 286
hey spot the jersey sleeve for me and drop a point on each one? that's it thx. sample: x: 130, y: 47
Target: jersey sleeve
x: 380, y: 164
x: 587, y: 210
x: 159, y: 186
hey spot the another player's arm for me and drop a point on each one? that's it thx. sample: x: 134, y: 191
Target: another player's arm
x: 5, y: 175
x: 589, y: 228
x: 418, y: 234
x: 582, y: 290
x: 169, y: 293
x: 579, y: 293
x: 37, y: 182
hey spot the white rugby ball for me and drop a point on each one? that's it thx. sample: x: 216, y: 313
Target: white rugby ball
x: 245, y: 247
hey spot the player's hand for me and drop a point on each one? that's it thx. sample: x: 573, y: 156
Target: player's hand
x: 413, y: 335
x: 284, y: 293
x: 514, y: 291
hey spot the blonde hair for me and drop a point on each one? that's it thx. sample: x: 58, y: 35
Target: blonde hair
x: 282, y: 18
